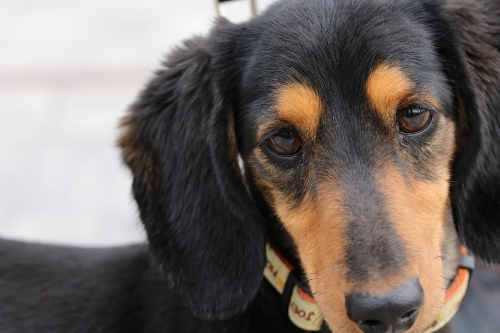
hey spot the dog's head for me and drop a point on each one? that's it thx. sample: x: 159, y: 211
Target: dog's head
x: 359, y: 123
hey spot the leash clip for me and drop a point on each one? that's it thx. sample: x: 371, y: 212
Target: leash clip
x: 221, y: 11
x: 468, y: 263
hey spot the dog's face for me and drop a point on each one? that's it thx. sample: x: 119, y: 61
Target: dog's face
x: 353, y: 119
x: 350, y: 138
x: 349, y: 135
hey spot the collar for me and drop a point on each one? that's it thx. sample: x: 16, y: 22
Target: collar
x: 304, y: 312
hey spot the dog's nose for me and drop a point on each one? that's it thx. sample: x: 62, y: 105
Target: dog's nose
x: 394, y: 311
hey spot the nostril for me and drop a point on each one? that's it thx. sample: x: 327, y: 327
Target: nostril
x: 409, y: 314
x: 373, y: 326
x: 370, y: 323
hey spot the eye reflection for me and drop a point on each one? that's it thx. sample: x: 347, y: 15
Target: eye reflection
x: 413, y: 119
x: 284, y: 143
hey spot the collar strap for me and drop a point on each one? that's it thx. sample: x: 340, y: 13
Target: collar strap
x: 304, y: 312
x: 301, y: 307
x: 455, y: 293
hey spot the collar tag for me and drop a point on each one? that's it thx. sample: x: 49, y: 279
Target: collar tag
x: 302, y: 308
x: 303, y: 311
x: 276, y: 271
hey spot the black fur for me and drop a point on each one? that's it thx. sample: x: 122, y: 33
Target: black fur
x: 202, y: 227
x: 206, y: 222
x: 467, y: 36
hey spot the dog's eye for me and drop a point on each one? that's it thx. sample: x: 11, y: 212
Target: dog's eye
x: 413, y: 119
x: 284, y: 143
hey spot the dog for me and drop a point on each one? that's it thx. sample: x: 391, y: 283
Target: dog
x: 345, y: 148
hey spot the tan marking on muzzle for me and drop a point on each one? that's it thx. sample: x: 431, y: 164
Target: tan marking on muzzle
x: 317, y: 227
x: 418, y: 210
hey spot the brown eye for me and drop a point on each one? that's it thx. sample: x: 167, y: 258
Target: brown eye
x: 284, y: 143
x: 413, y: 119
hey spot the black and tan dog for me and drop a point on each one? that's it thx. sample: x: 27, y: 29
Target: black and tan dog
x: 369, y: 134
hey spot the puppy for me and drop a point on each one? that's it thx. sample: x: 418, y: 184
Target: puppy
x: 368, y: 134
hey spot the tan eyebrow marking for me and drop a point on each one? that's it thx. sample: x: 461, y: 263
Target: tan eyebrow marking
x: 300, y: 105
x: 388, y: 87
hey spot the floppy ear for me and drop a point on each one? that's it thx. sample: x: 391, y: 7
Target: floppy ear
x: 203, y: 228
x: 468, y: 38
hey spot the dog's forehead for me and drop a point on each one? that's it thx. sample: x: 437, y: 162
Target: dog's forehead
x: 334, y: 45
x: 332, y: 48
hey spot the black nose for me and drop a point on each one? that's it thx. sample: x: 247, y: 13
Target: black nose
x: 394, y: 311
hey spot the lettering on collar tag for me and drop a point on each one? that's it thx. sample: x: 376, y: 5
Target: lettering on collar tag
x: 303, y: 311
x: 276, y: 271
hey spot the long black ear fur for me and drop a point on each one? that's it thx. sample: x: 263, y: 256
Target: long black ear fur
x: 468, y: 36
x: 203, y: 228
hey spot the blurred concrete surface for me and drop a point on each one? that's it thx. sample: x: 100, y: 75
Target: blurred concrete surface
x: 480, y: 311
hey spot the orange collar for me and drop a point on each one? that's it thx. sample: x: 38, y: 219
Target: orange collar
x: 304, y: 312
x: 455, y: 293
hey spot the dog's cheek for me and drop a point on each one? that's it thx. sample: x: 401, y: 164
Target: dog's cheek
x: 317, y: 226
x: 419, y: 209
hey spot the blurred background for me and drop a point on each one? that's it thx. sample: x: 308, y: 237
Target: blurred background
x: 68, y: 71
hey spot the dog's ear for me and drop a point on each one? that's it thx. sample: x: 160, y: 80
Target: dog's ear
x: 178, y: 139
x: 467, y: 36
